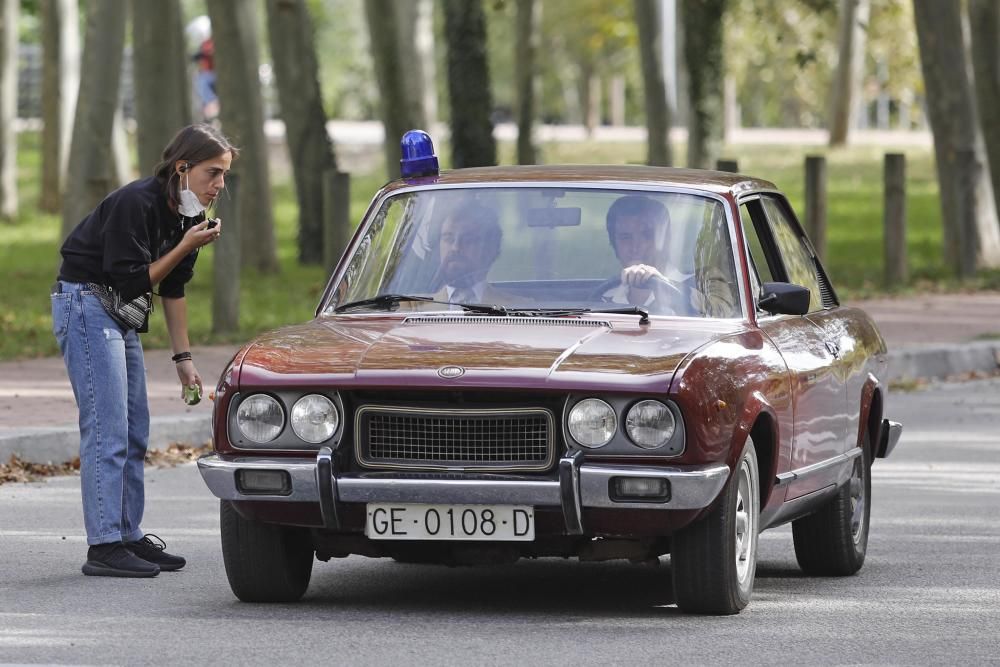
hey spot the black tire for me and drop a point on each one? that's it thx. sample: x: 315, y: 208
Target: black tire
x: 265, y: 562
x: 834, y: 540
x: 713, y: 567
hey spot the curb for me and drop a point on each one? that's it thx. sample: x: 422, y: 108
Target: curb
x: 941, y: 361
x: 58, y: 444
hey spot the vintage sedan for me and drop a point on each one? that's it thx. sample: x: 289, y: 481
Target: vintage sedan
x: 522, y: 362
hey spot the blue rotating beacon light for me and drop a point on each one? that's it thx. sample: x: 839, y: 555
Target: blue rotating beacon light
x: 418, y: 157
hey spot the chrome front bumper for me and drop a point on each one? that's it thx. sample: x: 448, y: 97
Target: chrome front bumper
x: 578, y: 485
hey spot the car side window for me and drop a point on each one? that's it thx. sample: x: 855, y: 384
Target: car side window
x: 799, y: 264
x: 760, y: 270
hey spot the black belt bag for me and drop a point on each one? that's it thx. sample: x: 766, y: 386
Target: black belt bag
x: 132, y: 314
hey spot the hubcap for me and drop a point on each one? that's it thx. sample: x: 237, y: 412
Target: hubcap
x: 745, y: 528
x: 858, y: 500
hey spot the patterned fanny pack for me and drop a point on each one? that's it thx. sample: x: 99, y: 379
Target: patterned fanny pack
x: 132, y: 314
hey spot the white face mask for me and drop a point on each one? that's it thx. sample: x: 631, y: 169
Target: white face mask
x: 190, y: 206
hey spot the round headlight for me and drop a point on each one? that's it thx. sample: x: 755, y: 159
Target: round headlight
x: 650, y: 424
x: 314, y: 418
x: 260, y: 418
x: 592, y: 422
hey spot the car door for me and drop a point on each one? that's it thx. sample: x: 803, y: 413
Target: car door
x: 779, y: 252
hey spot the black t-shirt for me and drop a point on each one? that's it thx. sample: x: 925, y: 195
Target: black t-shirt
x: 116, y: 243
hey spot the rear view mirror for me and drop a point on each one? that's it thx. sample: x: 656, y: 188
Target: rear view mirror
x: 553, y: 217
x: 784, y: 299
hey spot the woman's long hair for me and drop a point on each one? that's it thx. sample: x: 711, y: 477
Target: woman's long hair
x: 194, y: 144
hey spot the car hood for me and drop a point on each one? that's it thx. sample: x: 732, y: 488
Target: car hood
x: 542, y: 353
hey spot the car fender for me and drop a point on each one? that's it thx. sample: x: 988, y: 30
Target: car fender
x: 870, y: 393
x: 724, y: 388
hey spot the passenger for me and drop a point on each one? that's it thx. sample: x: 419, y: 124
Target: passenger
x: 468, y: 247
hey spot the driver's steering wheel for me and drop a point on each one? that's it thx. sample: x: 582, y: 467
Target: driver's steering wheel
x: 658, y: 286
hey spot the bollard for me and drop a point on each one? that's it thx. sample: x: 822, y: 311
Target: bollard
x: 226, y: 264
x: 731, y: 166
x: 816, y: 203
x: 894, y: 219
x: 336, y: 216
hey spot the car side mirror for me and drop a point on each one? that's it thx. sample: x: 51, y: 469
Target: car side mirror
x: 784, y: 299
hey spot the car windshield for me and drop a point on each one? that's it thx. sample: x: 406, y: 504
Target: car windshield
x: 540, y: 248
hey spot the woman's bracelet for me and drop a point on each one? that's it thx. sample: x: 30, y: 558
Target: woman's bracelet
x: 181, y: 356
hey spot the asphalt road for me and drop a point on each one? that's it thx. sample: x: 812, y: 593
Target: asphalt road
x: 928, y: 594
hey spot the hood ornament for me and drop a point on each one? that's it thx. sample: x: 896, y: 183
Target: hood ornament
x: 451, y: 372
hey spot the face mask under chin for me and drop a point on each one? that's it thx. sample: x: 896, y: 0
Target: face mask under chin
x: 190, y: 206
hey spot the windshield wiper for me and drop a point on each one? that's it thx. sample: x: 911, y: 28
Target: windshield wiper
x: 625, y: 310
x: 390, y: 301
x: 381, y: 301
x: 556, y: 312
x: 480, y: 308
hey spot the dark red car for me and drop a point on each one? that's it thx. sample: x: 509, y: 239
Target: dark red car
x: 590, y: 362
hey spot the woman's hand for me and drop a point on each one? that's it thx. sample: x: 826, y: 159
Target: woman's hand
x: 188, y: 376
x: 200, y: 235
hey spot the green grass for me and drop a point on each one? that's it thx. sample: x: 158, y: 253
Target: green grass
x: 29, y: 245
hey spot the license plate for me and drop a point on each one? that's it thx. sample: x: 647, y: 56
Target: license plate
x: 507, y: 523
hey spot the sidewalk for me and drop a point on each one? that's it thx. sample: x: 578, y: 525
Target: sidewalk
x: 931, y: 336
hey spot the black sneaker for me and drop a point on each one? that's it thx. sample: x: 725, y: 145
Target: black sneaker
x: 153, y: 551
x: 114, y: 560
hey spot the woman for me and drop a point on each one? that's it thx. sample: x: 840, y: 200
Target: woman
x: 143, y: 236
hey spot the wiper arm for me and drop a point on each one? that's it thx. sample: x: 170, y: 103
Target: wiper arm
x: 391, y: 300
x: 626, y: 310
x: 552, y: 312
x: 480, y: 308
x: 381, y: 301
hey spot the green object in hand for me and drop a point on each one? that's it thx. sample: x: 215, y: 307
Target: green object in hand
x: 192, y: 394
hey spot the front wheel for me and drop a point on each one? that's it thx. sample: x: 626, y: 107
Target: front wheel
x: 265, y: 562
x: 715, y: 559
x: 834, y: 540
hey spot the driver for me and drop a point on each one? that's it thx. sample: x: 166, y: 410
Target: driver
x: 638, y: 228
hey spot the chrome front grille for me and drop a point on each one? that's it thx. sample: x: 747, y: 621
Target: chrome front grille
x: 471, y: 439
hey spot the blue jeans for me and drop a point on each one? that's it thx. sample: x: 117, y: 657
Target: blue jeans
x: 108, y: 374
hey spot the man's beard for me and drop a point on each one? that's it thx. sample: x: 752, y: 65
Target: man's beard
x: 461, y: 275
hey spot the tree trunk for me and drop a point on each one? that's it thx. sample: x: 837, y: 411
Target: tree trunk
x: 92, y: 173
x: 845, y: 91
x: 60, y: 82
x: 424, y: 39
x: 616, y: 100
x: 296, y: 72
x: 9, y: 12
x: 984, y: 18
x: 472, y: 142
x: 162, y: 85
x: 526, y: 46
x: 121, y: 155
x: 407, y: 15
x: 237, y: 60
x: 398, y: 109
x: 590, y: 99
x: 647, y: 19
x: 704, y: 58
x: 971, y: 234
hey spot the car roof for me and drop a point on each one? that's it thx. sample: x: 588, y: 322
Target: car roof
x: 719, y: 182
